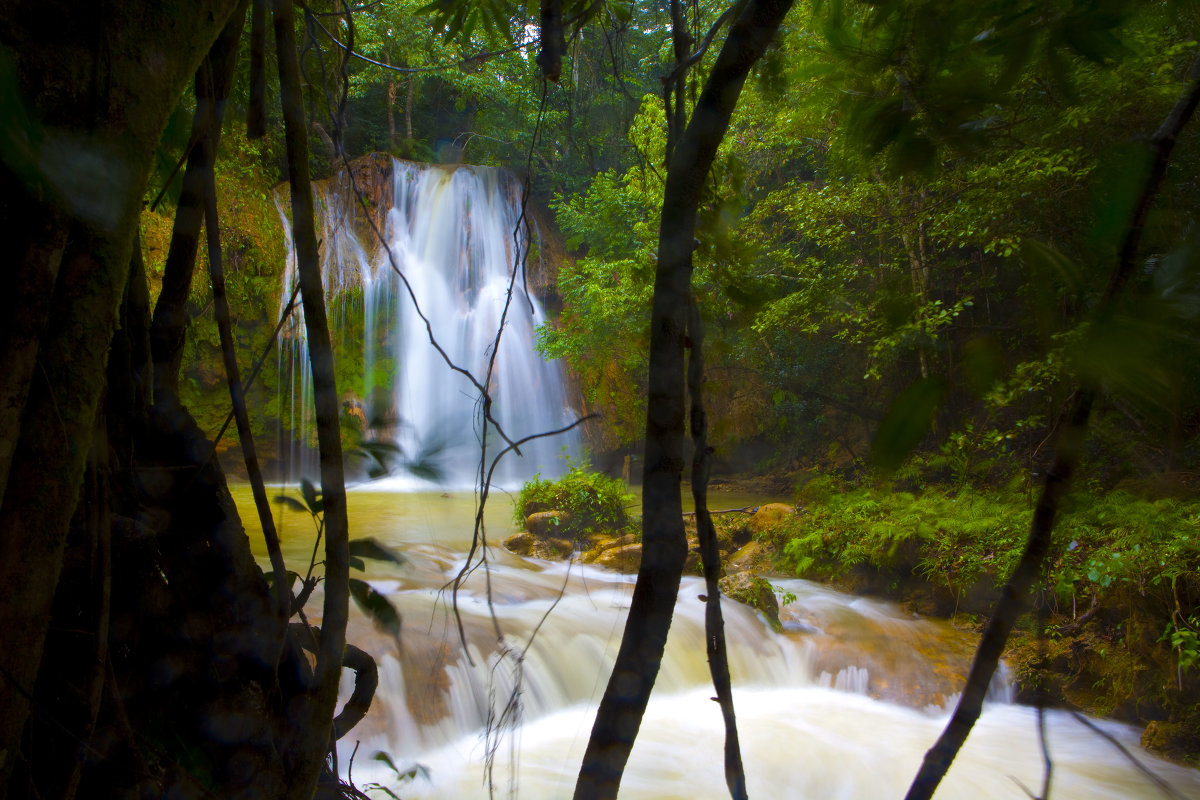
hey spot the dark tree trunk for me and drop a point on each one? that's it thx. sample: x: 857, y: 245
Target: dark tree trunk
x: 93, y: 86
x: 310, y: 717
x: 664, y: 543
x: 213, y: 82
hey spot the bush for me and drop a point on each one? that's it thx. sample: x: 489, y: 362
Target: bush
x: 596, y: 502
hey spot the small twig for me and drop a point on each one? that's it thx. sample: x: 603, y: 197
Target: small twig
x: 744, y: 510
x: 1163, y: 786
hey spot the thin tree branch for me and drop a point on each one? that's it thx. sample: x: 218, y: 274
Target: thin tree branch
x: 1162, y: 785
x: 714, y: 624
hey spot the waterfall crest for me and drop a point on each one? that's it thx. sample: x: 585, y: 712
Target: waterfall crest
x: 460, y: 239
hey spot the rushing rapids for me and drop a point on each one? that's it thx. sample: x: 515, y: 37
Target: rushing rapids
x: 841, y: 704
x: 457, y: 239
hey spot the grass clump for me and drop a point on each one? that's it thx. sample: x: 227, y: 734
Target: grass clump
x: 595, y: 502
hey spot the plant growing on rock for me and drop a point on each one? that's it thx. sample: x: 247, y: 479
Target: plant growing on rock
x: 589, y: 502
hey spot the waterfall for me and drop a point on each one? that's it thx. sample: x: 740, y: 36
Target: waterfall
x: 458, y: 236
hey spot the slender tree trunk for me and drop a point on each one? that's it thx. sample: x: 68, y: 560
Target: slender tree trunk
x: 663, y: 540
x: 408, y: 109
x: 311, y: 715
x: 391, y: 112
x: 237, y: 396
x: 256, y: 113
x: 714, y: 623
x: 88, y: 108
x: 213, y: 82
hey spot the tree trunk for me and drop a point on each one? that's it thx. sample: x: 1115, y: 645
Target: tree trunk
x: 312, y: 714
x: 213, y: 82
x: 664, y: 542
x: 89, y: 104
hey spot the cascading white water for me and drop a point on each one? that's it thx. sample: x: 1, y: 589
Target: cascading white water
x: 457, y: 235
x: 841, y: 704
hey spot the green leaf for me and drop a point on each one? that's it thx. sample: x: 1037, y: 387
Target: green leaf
x: 291, y: 502
x: 376, y: 606
x: 1122, y: 173
x: 906, y: 422
x: 371, y: 548
x: 357, y: 563
x: 312, y: 497
x: 404, y: 774
x: 1051, y: 264
x: 982, y: 364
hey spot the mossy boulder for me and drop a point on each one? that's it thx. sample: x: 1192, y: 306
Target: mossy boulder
x: 754, y: 591
x: 527, y: 544
x: 769, y: 516
x: 602, y: 544
x: 624, y: 558
x: 548, y: 524
x: 752, y: 556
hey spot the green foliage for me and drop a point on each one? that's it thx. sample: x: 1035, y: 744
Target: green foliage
x: 375, y: 605
x: 597, y: 503
x: 401, y: 775
x: 954, y: 537
x: 1186, y: 642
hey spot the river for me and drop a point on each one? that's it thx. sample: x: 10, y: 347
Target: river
x: 842, y: 704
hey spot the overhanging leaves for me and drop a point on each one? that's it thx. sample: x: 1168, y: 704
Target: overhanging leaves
x: 377, y: 607
x: 371, y: 548
x: 907, y: 421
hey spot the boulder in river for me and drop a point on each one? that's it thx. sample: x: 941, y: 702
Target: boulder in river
x: 526, y: 544
x: 546, y: 524
x: 602, y: 544
x: 624, y: 558
x: 752, y: 556
x: 756, y: 592
x: 768, y: 516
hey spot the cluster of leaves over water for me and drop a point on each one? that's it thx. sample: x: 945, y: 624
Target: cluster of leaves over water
x: 955, y: 536
x: 596, y: 502
x: 375, y: 605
